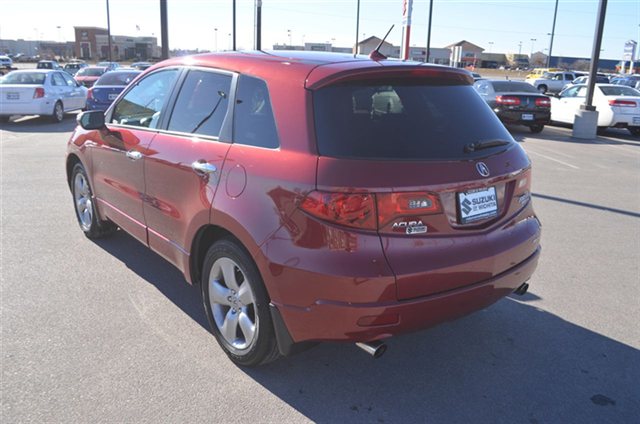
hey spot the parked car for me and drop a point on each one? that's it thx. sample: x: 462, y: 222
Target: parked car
x: 89, y: 75
x: 476, y: 76
x: 552, y: 82
x: 312, y: 196
x: 628, y: 80
x: 72, y: 68
x: 617, y: 105
x: 48, y: 64
x: 6, y: 62
x: 107, y: 88
x: 600, y: 79
x: 142, y: 66
x: 516, y: 102
x: 110, y: 66
x: 40, y: 92
x: 539, y: 72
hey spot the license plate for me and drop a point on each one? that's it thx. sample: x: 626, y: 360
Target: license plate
x: 13, y: 96
x: 477, y: 204
x: 636, y: 120
x: 112, y: 96
x: 527, y: 116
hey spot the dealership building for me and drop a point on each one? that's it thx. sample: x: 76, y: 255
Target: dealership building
x: 92, y: 43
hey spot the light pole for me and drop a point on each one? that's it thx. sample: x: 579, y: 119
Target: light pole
x: 215, y: 31
x: 553, y: 31
x: 533, y: 40
x: 59, y: 33
x: 490, y: 46
x: 289, y: 35
x: 519, y: 48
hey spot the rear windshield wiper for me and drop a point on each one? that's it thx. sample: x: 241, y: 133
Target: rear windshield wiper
x: 472, y: 147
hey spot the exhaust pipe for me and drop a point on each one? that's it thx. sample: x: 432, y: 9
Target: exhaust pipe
x: 522, y: 289
x: 375, y: 349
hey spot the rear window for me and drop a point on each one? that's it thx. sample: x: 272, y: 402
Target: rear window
x: 24, y: 78
x: 117, y: 78
x: 90, y: 72
x: 619, y: 90
x: 513, y: 86
x: 403, y: 121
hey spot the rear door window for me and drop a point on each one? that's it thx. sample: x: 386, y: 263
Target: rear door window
x: 202, y: 103
x: 402, y: 120
x: 254, y: 123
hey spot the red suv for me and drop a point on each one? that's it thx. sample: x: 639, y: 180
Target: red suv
x: 313, y: 197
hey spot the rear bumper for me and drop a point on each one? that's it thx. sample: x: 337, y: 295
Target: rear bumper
x: 35, y: 107
x: 515, y: 117
x: 338, y: 321
x: 93, y: 105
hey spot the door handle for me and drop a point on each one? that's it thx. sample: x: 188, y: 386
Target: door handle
x: 134, y: 155
x: 203, y: 168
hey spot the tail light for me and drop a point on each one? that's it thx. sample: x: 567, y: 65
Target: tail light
x: 543, y: 102
x: 395, y: 205
x: 508, y: 100
x: 38, y: 93
x: 349, y: 209
x: 359, y: 210
x: 90, y: 94
x: 622, y: 103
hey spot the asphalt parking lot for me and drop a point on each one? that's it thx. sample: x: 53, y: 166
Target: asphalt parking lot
x: 108, y: 331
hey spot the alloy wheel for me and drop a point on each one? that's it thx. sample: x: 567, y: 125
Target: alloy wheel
x: 233, y: 304
x: 82, y: 197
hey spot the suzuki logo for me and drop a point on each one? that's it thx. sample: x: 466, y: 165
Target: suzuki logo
x: 466, y: 206
x: 483, y: 169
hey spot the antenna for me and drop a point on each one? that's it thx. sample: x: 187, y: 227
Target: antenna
x: 375, y: 54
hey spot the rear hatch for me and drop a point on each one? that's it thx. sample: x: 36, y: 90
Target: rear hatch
x: 417, y: 156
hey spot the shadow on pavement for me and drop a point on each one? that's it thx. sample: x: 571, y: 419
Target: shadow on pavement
x: 511, y: 363
x: 586, y: 205
x: 40, y: 125
x: 157, y: 271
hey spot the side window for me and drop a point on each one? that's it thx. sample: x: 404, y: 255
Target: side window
x: 202, y: 104
x: 558, y: 77
x: 57, y: 80
x: 142, y: 105
x: 571, y: 92
x: 582, y: 92
x: 68, y: 80
x: 254, y: 123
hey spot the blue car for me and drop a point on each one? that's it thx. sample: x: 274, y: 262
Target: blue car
x: 108, y: 87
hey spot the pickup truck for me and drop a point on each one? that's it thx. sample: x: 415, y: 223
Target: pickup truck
x: 552, y: 82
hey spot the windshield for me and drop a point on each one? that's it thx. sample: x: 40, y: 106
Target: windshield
x: 90, y: 72
x: 24, y: 78
x: 403, y: 121
x: 514, y: 87
x: 618, y: 90
x: 117, y: 78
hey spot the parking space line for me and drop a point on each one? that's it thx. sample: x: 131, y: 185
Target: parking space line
x: 553, y: 159
x: 553, y: 151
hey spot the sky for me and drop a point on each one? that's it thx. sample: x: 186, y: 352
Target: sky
x: 498, y: 26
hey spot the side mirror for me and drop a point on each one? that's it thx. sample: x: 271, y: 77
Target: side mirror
x: 91, y: 120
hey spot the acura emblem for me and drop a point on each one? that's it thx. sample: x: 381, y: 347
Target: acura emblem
x: 483, y: 169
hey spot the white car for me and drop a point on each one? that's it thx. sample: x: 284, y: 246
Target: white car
x: 40, y: 92
x: 617, y: 106
x: 6, y: 62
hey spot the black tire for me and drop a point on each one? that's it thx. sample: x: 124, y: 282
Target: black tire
x: 542, y: 88
x: 635, y: 131
x: 262, y: 347
x: 90, y: 224
x: 602, y: 130
x: 535, y: 129
x: 58, y: 113
x: 4, y: 119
